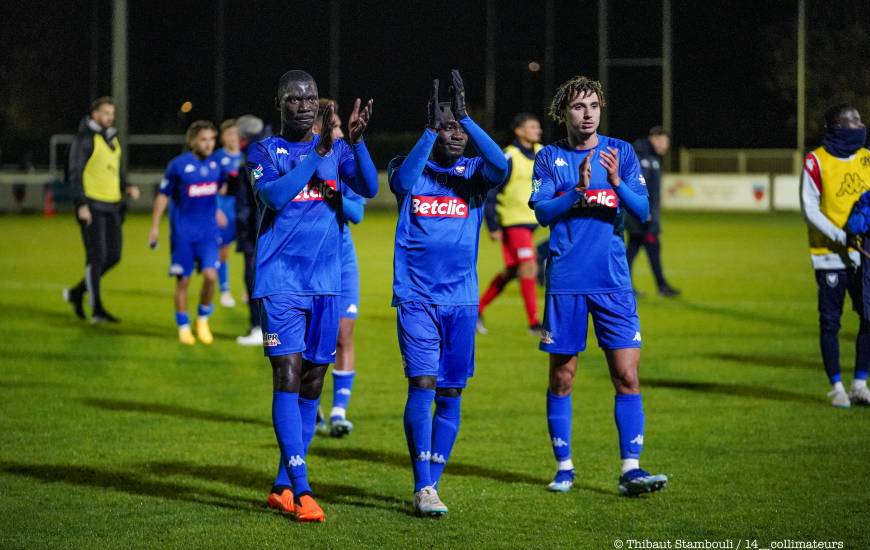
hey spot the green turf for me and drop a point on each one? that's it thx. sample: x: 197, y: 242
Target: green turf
x: 120, y: 437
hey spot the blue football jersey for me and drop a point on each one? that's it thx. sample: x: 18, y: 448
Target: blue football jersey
x: 192, y: 184
x: 229, y: 162
x: 587, y: 251
x: 299, y: 247
x: 437, y: 233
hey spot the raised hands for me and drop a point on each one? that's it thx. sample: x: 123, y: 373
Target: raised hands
x: 359, y: 120
x: 457, y: 95
x: 610, y: 162
x: 433, y: 112
x: 585, y: 174
x: 327, y: 123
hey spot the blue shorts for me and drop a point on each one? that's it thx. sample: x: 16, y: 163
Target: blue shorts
x: 348, y: 306
x: 566, y: 320
x: 307, y: 324
x: 227, y: 234
x: 437, y: 341
x: 201, y: 253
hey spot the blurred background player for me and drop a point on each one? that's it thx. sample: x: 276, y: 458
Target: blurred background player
x: 344, y: 371
x: 229, y: 156
x: 251, y: 129
x: 511, y: 221
x: 299, y: 177
x: 580, y: 189
x: 645, y: 234
x: 95, y: 173
x: 834, y: 177
x: 191, y: 182
x: 441, y: 196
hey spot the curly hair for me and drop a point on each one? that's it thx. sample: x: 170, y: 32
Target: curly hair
x: 577, y: 86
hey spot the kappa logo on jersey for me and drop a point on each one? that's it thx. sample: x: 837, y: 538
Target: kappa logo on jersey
x: 270, y: 340
x: 188, y: 168
x: 257, y: 172
x: 317, y: 190
x: 638, y: 440
x: 205, y: 189
x: 281, y: 151
x: 439, y: 207
x: 559, y: 442
x: 605, y: 198
x: 852, y: 184
x: 561, y: 162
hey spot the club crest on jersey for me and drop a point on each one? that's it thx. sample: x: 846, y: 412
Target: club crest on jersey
x: 205, y: 189
x: 270, y: 340
x: 439, y: 207
x: 317, y: 190
x: 459, y: 170
x: 599, y: 198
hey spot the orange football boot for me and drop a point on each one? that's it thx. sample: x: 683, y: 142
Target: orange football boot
x: 282, y: 502
x: 307, y: 510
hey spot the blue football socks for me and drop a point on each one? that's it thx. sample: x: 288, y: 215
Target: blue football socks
x: 445, y: 428
x: 288, y: 430
x: 418, y: 432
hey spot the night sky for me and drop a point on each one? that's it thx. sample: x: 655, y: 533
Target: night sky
x: 732, y: 62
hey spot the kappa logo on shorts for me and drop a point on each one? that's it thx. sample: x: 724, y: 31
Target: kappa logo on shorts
x: 270, y: 340
x: 352, y: 309
x: 547, y: 337
x: 832, y: 279
x: 439, y: 207
x: 176, y: 269
x: 636, y: 337
x: 525, y: 253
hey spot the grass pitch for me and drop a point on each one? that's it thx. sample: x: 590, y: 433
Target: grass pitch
x: 117, y: 436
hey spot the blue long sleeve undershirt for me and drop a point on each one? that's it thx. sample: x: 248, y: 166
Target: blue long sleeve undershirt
x: 364, y: 178
x: 413, y: 165
x: 547, y: 211
x: 353, y: 210
x: 277, y: 193
x: 495, y: 166
x: 636, y: 204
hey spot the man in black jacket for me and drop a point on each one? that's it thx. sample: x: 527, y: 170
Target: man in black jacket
x: 645, y: 233
x: 251, y: 130
x: 95, y: 173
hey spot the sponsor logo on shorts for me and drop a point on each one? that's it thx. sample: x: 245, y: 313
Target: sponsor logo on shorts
x: 205, y: 189
x: 439, y: 207
x: 547, y: 337
x: 317, y: 190
x: 270, y: 340
x: 525, y: 253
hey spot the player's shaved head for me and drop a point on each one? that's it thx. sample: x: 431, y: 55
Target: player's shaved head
x: 295, y: 76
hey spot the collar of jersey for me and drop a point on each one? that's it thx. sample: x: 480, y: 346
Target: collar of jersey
x: 438, y: 169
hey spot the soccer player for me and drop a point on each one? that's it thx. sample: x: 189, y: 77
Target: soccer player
x: 581, y: 187
x: 645, y: 233
x: 344, y: 371
x: 191, y: 182
x: 834, y: 177
x: 299, y: 178
x: 229, y: 156
x: 441, y: 196
x: 511, y: 221
x: 98, y: 182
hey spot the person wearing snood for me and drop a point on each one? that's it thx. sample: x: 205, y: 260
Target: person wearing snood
x: 834, y: 177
